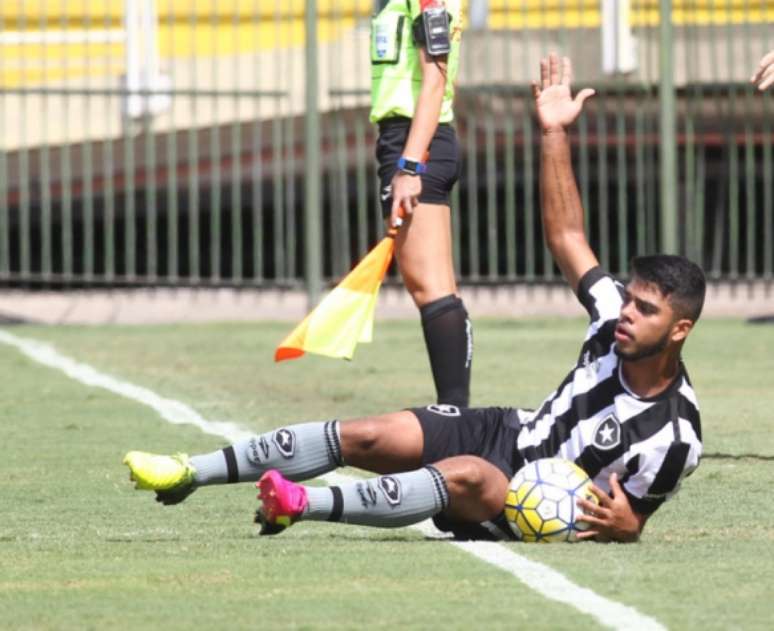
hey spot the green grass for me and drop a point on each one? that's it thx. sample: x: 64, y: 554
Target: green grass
x: 80, y: 549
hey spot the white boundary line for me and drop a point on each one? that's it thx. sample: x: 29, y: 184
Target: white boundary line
x: 544, y: 580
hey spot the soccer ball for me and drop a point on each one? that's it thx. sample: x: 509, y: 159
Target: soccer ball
x: 542, y: 498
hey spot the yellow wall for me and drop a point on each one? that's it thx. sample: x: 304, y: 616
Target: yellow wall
x: 229, y: 27
x: 187, y: 28
x: 585, y: 13
x: 532, y: 13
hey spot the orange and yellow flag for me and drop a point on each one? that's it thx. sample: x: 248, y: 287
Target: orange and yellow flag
x: 346, y: 315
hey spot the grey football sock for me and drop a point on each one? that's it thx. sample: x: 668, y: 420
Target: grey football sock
x: 388, y: 501
x: 299, y: 452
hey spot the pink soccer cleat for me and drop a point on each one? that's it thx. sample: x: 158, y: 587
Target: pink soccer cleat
x: 283, y: 502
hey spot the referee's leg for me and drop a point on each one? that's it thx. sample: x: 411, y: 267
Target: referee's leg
x: 424, y: 253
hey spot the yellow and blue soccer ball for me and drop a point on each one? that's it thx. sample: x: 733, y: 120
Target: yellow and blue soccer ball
x: 541, y: 504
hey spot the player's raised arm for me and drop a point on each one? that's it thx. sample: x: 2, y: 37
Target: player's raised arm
x: 560, y: 201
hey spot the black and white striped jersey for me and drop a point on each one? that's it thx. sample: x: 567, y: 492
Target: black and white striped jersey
x: 593, y: 419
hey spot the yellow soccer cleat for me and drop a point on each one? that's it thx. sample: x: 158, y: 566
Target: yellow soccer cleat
x: 172, y: 477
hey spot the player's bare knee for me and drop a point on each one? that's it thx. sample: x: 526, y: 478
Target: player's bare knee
x: 475, y: 479
x: 464, y: 475
x: 359, y: 439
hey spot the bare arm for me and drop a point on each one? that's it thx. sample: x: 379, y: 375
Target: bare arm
x: 560, y: 201
x: 406, y: 188
x: 428, y: 109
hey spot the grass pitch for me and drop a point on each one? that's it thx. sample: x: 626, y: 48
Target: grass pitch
x: 80, y: 549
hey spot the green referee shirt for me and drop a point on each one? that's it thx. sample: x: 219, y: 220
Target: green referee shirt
x: 396, y: 73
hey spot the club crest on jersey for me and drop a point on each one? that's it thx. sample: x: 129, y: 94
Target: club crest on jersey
x: 607, y: 434
x: 285, y: 440
x: 390, y: 488
x: 444, y: 409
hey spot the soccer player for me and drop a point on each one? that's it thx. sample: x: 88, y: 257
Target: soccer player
x: 626, y: 413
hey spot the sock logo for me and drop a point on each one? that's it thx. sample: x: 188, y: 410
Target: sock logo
x: 444, y: 409
x: 258, y: 450
x: 390, y: 487
x: 367, y: 495
x: 285, y: 441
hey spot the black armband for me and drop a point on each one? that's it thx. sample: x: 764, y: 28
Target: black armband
x: 432, y: 29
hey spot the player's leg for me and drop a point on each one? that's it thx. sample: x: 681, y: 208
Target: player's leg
x: 468, y: 456
x: 302, y: 451
x: 467, y: 488
x: 424, y: 253
x: 477, y: 488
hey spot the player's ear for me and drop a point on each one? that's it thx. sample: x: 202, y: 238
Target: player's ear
x: 680, y: 329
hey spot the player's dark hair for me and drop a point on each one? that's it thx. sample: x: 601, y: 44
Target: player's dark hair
x: 681, y: 281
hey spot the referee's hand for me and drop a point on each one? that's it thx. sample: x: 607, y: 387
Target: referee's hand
x: 405, y: 196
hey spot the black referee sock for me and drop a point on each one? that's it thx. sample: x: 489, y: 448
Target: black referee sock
x: 449, y: 339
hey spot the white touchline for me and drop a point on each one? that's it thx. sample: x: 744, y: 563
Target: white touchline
x: 544, y: 580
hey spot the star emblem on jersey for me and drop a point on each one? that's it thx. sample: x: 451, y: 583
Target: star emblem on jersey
x: 607, y: 434
x: 285, y: 440
x: 390, y: 487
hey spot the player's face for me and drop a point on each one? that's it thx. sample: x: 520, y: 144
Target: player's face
x: 646, y: 323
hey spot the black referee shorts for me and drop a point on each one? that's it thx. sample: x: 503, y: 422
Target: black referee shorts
x: 489, y: 433
x: 443, y: 166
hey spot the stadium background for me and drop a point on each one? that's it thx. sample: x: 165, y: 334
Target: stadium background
x: 174, y: 152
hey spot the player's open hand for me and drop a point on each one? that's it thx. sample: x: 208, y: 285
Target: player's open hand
x: 556, y: 108
x: 764, y: 74
x: 613, y: 519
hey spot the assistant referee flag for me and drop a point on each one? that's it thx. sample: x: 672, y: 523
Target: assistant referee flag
x: 346, y: 315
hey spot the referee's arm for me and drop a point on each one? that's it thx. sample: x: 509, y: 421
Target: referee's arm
x: 560, y: 201
x: 406, y: 188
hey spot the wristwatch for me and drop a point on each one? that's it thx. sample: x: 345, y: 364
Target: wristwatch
x: 412, y: 167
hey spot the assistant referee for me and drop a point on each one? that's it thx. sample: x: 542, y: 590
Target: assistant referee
x: 415, y: 49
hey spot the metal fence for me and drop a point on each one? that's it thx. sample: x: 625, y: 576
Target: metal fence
x: 164, y: 142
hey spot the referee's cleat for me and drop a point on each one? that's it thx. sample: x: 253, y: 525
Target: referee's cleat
x: 283, y: 502
x: 172, y: 477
